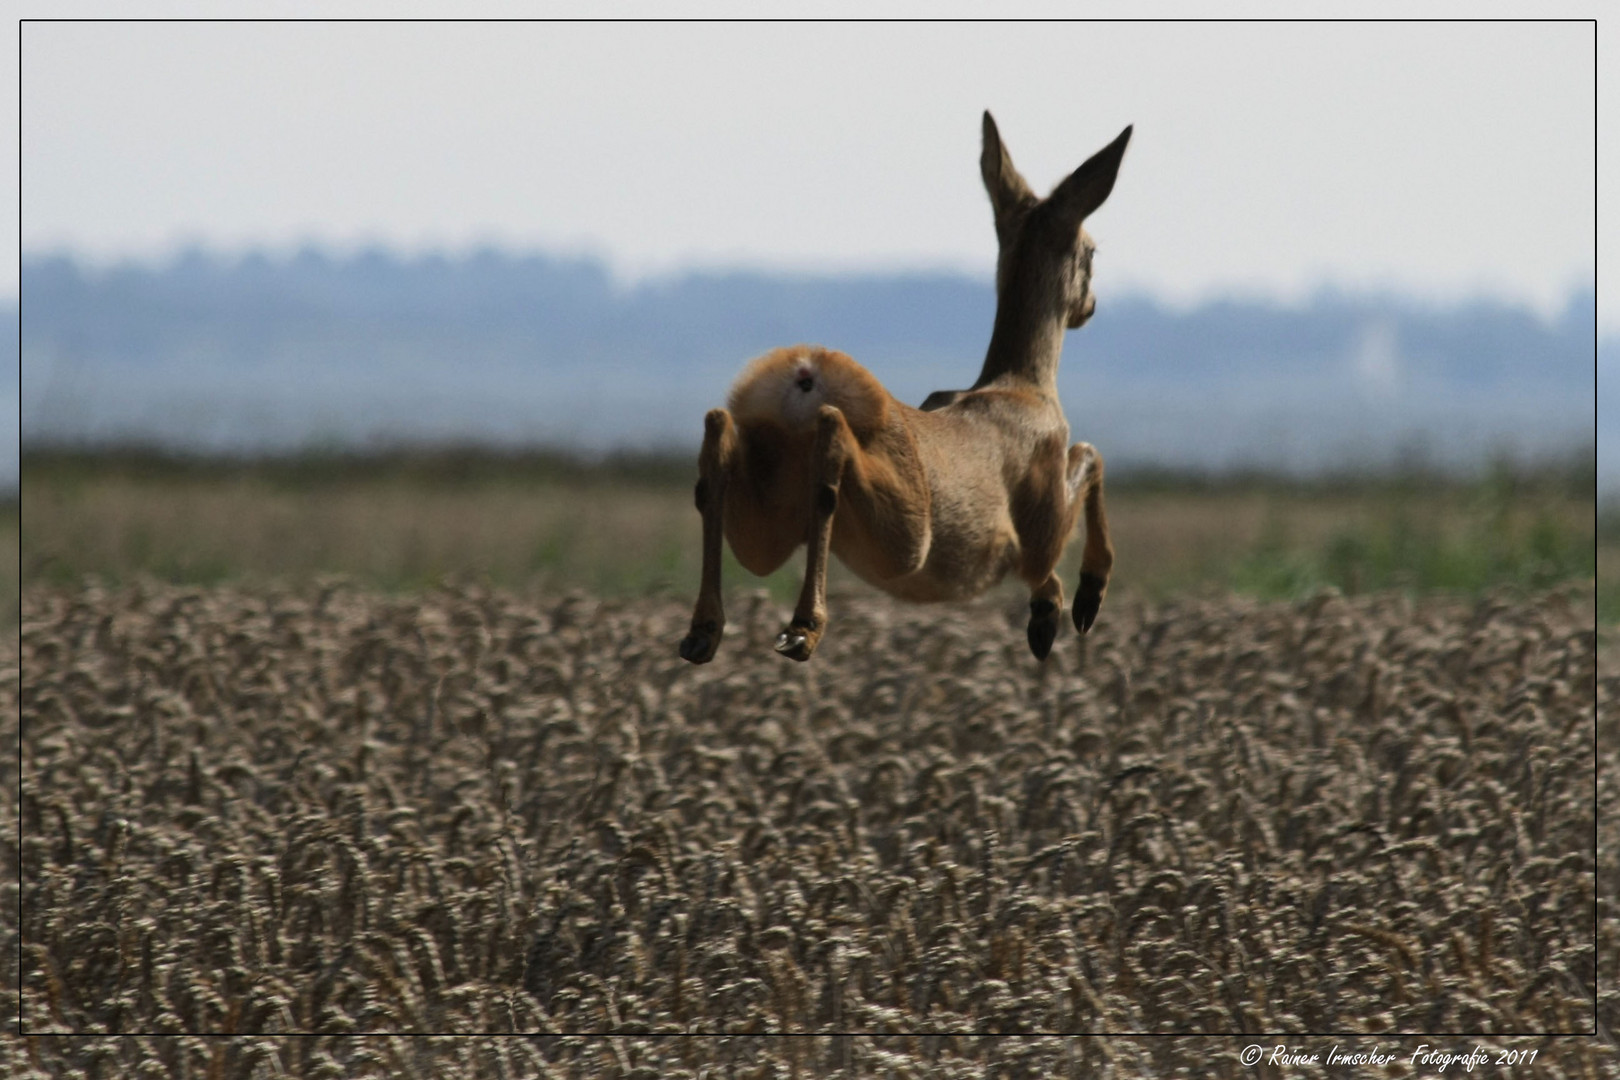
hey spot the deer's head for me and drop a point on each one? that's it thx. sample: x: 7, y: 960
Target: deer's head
x: 1045, y: 256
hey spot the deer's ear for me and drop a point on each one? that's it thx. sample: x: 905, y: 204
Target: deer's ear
x: 1008, y: 191
x: 1087, y: 187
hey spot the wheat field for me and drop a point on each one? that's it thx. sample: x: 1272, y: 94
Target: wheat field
x: 251, y: 812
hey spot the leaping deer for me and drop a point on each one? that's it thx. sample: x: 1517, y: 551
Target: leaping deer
x: 936, y: 503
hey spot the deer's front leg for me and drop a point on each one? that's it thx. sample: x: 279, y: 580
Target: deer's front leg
x: 1045, y: 508
x: 1097, y: 558
x: 835, y: 446
x: 716, y: 462
x: 1045, y: 611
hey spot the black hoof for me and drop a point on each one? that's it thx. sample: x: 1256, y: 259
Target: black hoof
x: 700, y: 645
x: 1087, y: 600
x: 1043, y: 627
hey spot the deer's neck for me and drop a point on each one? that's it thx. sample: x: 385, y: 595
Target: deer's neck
x: 1025, y: 343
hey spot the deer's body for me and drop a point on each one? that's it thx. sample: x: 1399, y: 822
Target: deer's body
x: 936, y: 503
x: 937, y: 490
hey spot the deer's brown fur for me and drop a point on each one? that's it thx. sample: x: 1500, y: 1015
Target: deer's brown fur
x: 936, y: 503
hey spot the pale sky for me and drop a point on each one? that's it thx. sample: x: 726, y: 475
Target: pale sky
x: 1269, y: 159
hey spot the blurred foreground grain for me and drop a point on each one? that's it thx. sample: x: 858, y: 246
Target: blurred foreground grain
x: 266, y: 811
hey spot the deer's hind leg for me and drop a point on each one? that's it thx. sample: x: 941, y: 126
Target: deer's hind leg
x: 882, y: 498
x: 835, y: 446
x: 716, y: 464
x: 1097, y: 558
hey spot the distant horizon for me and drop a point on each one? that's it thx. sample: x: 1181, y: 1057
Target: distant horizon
x: 277, y: 349
x: 624, y: 279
